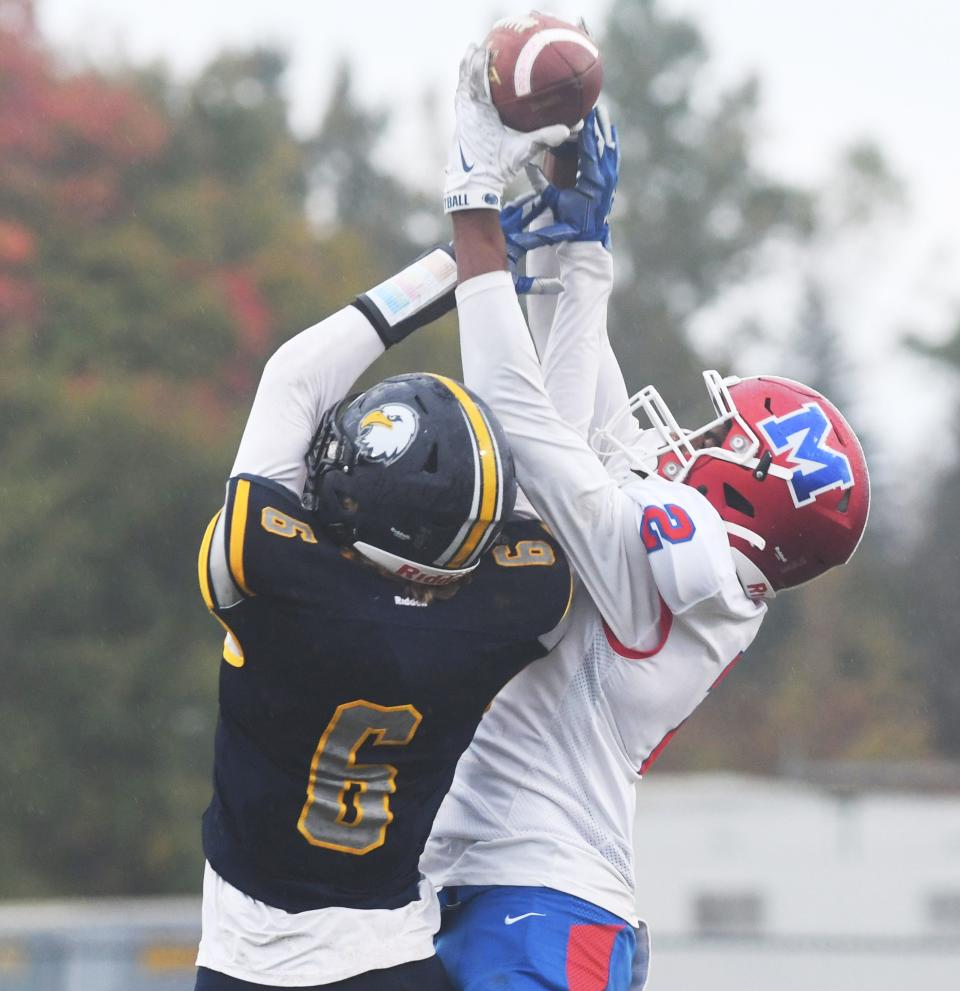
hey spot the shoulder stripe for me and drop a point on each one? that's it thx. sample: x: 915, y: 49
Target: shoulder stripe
x: 238, y: 528
x: 571, y: 586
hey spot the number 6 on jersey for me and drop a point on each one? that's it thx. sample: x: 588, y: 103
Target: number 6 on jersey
x: 348, y: 804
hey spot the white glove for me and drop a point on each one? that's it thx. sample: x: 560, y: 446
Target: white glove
x: 485, y: 154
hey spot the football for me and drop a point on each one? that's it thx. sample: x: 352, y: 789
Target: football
x: 542, y: 71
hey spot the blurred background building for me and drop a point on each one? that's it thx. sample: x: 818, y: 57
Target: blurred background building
x: 840, y: 881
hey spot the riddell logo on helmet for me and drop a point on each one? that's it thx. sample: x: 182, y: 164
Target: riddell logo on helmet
x: 414, y: 574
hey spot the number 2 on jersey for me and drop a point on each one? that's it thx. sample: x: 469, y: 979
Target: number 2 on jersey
x: 669, y: 523
x: 348, y: 804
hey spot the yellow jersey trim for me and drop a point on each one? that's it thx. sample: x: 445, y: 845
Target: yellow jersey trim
x: 232, y: 650
x: 238, y: 528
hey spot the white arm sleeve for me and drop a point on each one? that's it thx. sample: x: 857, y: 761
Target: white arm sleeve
x: 611, y: 412
x: 542, y: 263
x: 593, y: 520
x: 580, y: 352
x: 303, y: 378
x: 568, y: 337
x: 571, y: 358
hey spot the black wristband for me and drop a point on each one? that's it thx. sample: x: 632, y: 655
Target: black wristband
x: 418, y: 295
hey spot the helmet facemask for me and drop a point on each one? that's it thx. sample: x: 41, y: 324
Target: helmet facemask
x: 755, y: 511
x: 671, y: 450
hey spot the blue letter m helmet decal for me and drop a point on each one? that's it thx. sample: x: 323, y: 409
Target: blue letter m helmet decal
x: 815, y: 467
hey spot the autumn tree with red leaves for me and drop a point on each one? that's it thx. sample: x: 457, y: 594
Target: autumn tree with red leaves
x: 154, y: 249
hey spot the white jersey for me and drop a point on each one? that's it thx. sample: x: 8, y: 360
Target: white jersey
x: 545, y: 793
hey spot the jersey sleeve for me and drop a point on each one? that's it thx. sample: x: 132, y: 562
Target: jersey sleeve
x: 570, y: 338
x: 528, y: 579
x: 581, y: 372
x: 684, y: 540
x: 266, y: 544
x: 611, y: 413
x: 584, y: 507
x: 303, y: 378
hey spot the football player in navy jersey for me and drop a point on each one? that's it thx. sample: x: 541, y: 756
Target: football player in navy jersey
x: 376, y: 591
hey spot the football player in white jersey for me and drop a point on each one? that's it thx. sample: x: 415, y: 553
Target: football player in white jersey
x: 679, y: 539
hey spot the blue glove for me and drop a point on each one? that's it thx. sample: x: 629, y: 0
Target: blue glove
x: 581, y: 213
x: 514, y: 217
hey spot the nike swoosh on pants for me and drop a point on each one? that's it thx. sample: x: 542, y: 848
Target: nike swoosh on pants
x: 508, y: 920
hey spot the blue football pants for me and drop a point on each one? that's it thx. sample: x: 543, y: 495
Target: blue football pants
x: 537, y: 939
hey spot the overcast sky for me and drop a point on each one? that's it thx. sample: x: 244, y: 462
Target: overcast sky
x: 831, y: 70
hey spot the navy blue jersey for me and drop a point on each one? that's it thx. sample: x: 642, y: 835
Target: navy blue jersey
x: 344, y: 704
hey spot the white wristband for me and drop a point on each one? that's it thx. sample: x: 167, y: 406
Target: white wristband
x: 473, y: 197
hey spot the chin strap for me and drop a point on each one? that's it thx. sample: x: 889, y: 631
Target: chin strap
x: 753, y: 539
x: 422, y: 574
x: 753, y: 580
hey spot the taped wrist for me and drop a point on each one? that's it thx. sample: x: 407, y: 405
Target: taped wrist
x: 412, y: 298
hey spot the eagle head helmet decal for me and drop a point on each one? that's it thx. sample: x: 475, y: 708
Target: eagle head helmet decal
x: 415, y: 475
x: 386, y: 432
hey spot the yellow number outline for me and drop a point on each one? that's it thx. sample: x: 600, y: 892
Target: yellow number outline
x: 274, y: 521
x: 525, y: 554
x: 371, y: 731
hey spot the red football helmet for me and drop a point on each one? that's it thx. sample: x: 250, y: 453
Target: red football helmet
x: 780, y: 465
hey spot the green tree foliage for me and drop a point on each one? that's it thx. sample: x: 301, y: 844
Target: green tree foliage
x: 831, y: 675
x: 154, y: 248
x: 356, y: 197
x: 109, y: 665
x: 927, y: 580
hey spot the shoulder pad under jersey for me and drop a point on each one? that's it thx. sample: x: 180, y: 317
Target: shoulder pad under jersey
x: 685, y: 541
x: 522, y: 586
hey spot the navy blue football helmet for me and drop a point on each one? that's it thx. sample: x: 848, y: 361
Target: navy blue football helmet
x: 415, y: 474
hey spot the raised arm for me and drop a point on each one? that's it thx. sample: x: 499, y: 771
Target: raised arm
x: 571, y: 240
x: 304, y: 377
x: 563, y: 478
x: 315, y: 369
